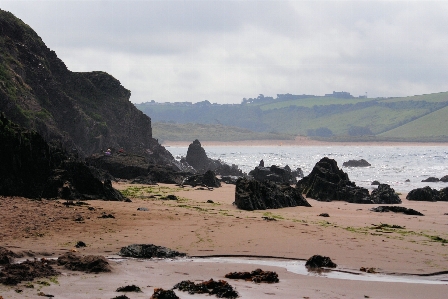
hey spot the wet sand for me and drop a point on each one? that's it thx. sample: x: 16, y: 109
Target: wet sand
x: 191, y: 225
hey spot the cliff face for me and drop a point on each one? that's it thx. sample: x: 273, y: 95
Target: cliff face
x: 84, y: 112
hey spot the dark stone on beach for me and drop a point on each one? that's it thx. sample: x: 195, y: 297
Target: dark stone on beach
x: 324, y: 215
x: 6, y: 256
x: 423, y: 194
x: 327, y: 182
x: 229, y: 179
x: 431, y: 179
x: 375, y: 183
x: 221, y: 288
x: 257, y: 276
x: 105, y: 215
x: 121, y: 297
x: 255, y: 195
x: 129, y: 288
x: 443, y: 194
x: 13, y: 274
x: 80, y: 244
x: 208, y: 179
x: 276, y: 174
x: 396, y: 209
x: 356, y: 163
x: 444, y: 179
x: 384, y: 194
x: 210, y: 201
x: 319, y: 261
x: 142, y: 209
x: 408, y: 181
x: 89, y: 263
x: 169, y: 197
x: 149, y: 251
x: 160, y: 293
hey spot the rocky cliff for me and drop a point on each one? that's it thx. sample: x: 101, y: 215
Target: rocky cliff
x: 83, y: 112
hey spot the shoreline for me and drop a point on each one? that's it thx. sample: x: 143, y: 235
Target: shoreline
x: 298, y: 141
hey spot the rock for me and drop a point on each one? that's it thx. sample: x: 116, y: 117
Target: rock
x: 384, y: 194
x: 444, y: 179
x: 119, y: 297
x: 142, y: 209
x: 319, y: 261
x: 257, y: 276
x: 149, y: 251
x: 356, y: 163
x: 129, y: 288
x: 408, y: 181
x: 324, y: 215
x: 221, y: 288
x: 229, y: 179
x: 80, y: 244
x: 276, y: 174
x: 254, y: 195
x: 423, y: 194
x: 327, y: 182
x: 443, y: 194
x: 6, y: 256
x: 208, y: 179
x: 395, y: 209
x: 13, y: 274
x: 375, y: 183
x: 169, y: 197
x: 89, y: 263
x: 431, y: 179
x: 163, y: 294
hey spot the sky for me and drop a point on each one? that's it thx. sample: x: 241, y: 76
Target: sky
x: 224, y: 51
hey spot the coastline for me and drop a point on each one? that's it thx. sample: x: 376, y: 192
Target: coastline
x: 298, y: 141
x: 199, y: 228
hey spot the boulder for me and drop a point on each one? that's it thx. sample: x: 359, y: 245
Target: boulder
x: 356, y: 163
x: 327, y: 182
x: 89, y: 263
x: 423, y: 194
x: 444, y: 179
x: 255, y: 195
x: 431, y: 179
x: 6, y: 256
x: 443, y: 194
x: 384, y: 194
x: 375, y: 183
x: 149, y: 251
x: 319, y: 261
x: 13, y: 274
x: 276, y: 174
x: 208, y: 179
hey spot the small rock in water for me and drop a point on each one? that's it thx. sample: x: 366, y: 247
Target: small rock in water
x: 319, y: 261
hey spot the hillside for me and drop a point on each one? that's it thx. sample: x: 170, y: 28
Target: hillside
x: 83, y: 112
x: 413, y: 118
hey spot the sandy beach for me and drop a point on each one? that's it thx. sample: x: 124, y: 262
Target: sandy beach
x: 353, y: 237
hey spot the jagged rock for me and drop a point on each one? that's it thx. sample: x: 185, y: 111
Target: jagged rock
x: 396, y: 209
x: 423, y: 194
x: 208, y: 179
x: 160, y: 293
x: 129, y: 288
x: 197, y: 158
x: 327, y: 182
x: 149, y: 251
x: 431, y: 179
x: 276, y: 174
x: 444, y: 179
x: 6, y: 256
x: 319, y: 261
x: 221, y: 288
x: 255, y: 195
x: 384, y: 194
x: 13, y: 274
x: 89, y: 263
x: 257, y: 276
x: 356, y: 163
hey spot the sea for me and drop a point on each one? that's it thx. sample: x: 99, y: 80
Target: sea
x: 392, y: 165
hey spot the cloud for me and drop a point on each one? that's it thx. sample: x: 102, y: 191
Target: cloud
x: 222, y: 51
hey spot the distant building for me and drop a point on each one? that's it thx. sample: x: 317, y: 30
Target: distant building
x: 339, y: 95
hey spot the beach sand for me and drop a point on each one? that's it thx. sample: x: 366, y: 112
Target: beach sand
x: 191, y: 225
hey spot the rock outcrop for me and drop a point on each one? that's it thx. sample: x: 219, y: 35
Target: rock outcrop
x: 276, y: 174
x: 356, y: 163
x: 327, y: 182
x: 384, y: 194
x: 149, y: 251
x: 197, y: 158
x: 82, y: 112
x: 423, y: 194
x: 208, y: 179
x: 396, y: 209
x: 255, y: 195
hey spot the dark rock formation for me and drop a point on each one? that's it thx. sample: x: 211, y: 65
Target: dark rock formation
x: 384, y: 194
x: 129, y: 288
x: 149, y: 251
x: 443, y: 194
x: 431, y: 179
x: 356, y: 163
x: 375, y: 183
x: 327, y: 182
x: 208, y: 179
x: 85, y: 112
x: 197, y: 158
x: 444, y: 179
x: 276, y: 174
x: 6, y: 256
x: 160, y: 293
x: 13, y: 274
x: 257, y: 276
x: 423, y: 194
x: 254, y: 195
x: 395, y: 209
x: 221, y: 288
x: 319, y: 261
x: 31, y: 168
x: 89, y: 263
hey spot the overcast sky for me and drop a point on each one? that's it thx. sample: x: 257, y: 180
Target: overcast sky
x: 224, y: 51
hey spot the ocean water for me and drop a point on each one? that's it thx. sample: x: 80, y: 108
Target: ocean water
x: 391, y: 165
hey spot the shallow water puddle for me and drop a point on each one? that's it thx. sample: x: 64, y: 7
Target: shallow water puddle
x: 298, y: 267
